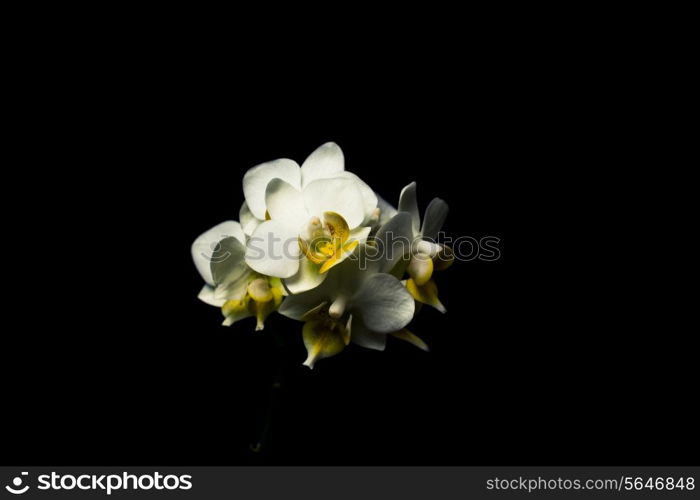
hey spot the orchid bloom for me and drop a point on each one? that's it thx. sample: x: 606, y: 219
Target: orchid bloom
x: 362, y: 305
x: 321, y: 234
x: 304, y: 220
x: 239, y: 291
x: 427, y: 255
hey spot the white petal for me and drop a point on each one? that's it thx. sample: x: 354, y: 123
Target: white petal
x: 296, y: 306
x: 393, y: 242
x: 248, y: 221
x: 361, y: 335
x: 273, y: 250
x: 409, y: 203
x: 234, y: 289
x: 386, y: 210
x: 206, y: 295
x: 360, y: 234
x: 383, y: 303
x: 347, y: 277
x: 306, y: 278
x: 256, y: 179
x: 325, y: 162
x: 204, y: 246
x: 434, y: 218
x: 228, y: 261
x: 368, y: 196
x: 335, y: 195
x: 285, y: 203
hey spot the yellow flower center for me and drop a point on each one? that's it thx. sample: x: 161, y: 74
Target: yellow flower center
x: 328, y: 241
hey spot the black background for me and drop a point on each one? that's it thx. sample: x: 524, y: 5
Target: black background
x: 544, y: 356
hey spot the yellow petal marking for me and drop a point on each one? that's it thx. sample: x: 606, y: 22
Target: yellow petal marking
x: 426, y: 294
x: 261, y: 310
x: 263, y: 295
x: 231, y: 307
x: 312, y: 256
x: 276, y: 283
x: 409, y: 337
x: 266, y: 299
x: 277, y: 295
x: 339, y: 256
x: 328, y: 244
x: 337, y: 226
x: 326, y: 248
x: 420, y: 269
x: 323, y: 338
x: 234, y: 310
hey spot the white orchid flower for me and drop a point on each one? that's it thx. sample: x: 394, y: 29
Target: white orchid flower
x: 301, y: 224
x: 304, y: 220
x: 359, y: 302
x: 239, y: 291
x: 427, y: 254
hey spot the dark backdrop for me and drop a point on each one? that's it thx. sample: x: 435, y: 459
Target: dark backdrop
x: 541, y: 357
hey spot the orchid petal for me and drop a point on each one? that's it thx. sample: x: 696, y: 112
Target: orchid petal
x: 434, y: 218
x: 325, y: 162
x: 306, y: 278
x: 234, y: 289
x: 409, y: 203
x: 206, y: 295
x: 360, y: 234
x: 248, y: 221
x: 273, y: 250
x: 386, y: 210
x: 296, y: 306
x: 341, y: 196
x: 205, y: 245
x: 363, y: 336
x: 383, y: 303
x: 256, y: 179
x: 285, y: 203
x: 392, y: 243
x: 368, y: 197
x: 228, y: 261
